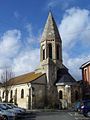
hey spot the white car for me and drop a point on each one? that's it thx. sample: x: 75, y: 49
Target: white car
x: 8, y: 115
x: 16, y: 107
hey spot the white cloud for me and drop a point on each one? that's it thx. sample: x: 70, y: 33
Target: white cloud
x: 5, y: 62
x: 62, y: 4
x: 9, y: 47
x: 14, y: 54
x: 9, y: 43
x: 31, y: 39
x: 74, y: 29
x: 26, y: 61
x: 74, y: 64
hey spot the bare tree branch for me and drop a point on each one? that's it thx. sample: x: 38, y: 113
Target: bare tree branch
x: 7, y: 81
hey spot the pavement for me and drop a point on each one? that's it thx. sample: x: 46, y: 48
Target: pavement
x: 49, y: 114
x: 49, y: 110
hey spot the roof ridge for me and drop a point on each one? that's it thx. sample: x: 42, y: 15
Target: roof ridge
x: 23, y: 74
x: 29, y: 77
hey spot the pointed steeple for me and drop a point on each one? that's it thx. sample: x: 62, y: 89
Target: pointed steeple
x: 50, y: 30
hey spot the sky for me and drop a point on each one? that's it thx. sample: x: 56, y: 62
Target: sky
x: 21, y: 26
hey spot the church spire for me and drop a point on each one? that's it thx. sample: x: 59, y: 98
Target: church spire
x: 51, y: 44
x: 50, y: 29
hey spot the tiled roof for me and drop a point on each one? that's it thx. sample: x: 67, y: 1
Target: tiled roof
x: 29, y: 77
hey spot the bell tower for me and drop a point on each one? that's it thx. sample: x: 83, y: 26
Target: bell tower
x: 50, y: 49
x: 51, y: 44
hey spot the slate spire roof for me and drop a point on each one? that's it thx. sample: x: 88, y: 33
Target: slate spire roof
x: 50, y: 30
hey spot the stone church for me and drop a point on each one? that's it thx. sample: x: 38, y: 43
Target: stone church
x: 51, y: 83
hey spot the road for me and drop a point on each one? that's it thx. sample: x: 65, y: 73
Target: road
x: 62, y: 115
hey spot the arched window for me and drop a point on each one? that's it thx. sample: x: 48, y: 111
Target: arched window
x: 22, y: 93
x: 57, y: 51
x: 3, y: 95
x: 60, y: 94
x: 43, y: 54
x: 85, y: 72
x: 50, y: 50
x: 11, y: 94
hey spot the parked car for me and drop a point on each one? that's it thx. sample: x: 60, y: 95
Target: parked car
x: 16, y: 107
x: 10, y: 108
x: 19, y: 114
x: 85, y: 108
x: 7, y: 115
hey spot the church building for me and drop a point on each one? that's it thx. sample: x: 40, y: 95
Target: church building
x: 50, y: 84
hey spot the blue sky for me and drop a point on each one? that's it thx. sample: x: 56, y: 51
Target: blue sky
x: 21, y: 26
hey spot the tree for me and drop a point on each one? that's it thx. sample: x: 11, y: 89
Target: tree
x: 7, y: 81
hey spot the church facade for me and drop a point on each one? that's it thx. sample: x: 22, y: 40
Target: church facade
x: 51, y: 83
